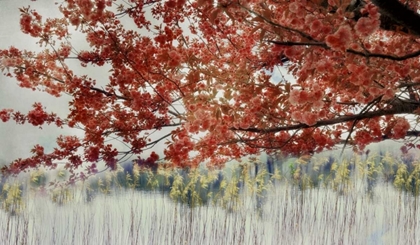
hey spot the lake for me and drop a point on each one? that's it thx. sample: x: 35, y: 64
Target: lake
x: 287, y: 216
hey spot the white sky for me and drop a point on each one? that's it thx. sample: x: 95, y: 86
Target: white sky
x: 17, y: 140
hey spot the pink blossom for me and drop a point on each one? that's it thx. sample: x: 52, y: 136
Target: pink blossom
x: 297, y: 116
x: 293, y: 51
x: 37, y: 116
x: 294, y: 7
x: 194, y: 127
x: 324, y: 65
x: 5, y: 115
x: 341, y: 39
x: 299, y: 97
x: 375, y: 91
x: 389, y: 94
x: 317, y: 94
x: 309, y: 118
x: 316, y: 26
x: 294, y: 97
x: 310, y: 19
x: 371, y: 10
x: 192, y: 107
x: 333, y: 2
x: 304, y: 97
x: 205, y: 124
x: 200, y: 114
x: 363, y: 138
x: 400, y: 128
x: 175, y: 58
x: 366, y: 26
x: 317, y: 104
x: 8, y: 62
x: 246, y: 122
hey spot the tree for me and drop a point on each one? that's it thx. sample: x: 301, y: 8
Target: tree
x: 208, y: 70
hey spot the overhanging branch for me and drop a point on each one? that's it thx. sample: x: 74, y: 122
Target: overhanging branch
x: 403, y: 108
x: 400, y: 13
x: 352, y: 51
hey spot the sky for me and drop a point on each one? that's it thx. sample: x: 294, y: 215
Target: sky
x: 17, y: 140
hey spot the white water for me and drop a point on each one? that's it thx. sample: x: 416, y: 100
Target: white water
x: 315, y: 216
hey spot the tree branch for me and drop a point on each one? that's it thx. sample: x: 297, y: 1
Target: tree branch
x: 268, y: 21
x: 404, y: 108
x: 352, y: 51
x: 385, y: 56
x: 400, y: 14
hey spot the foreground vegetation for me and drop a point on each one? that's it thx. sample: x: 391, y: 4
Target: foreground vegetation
x: 318, y: 200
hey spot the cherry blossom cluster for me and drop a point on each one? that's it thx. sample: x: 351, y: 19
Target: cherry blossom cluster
x: 228, y: 78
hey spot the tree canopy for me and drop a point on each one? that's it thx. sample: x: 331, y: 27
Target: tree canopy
x: 228, y: 78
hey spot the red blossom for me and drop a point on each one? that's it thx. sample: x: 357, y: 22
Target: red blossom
x: 5, y: 114
x: 37, y: 116
x: 38, y: 150
x: 400, y: 128
x: 366, y: 26
x: 92, y: 154
x: 309, y: 118
x: 223, y: 80
x: 341, y: 39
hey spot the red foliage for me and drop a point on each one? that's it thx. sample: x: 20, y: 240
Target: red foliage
x: 206, y: 71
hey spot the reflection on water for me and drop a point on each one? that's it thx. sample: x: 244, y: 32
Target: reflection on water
x: 288, y: 216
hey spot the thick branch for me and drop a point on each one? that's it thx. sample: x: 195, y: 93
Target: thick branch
x: 385, y: 56
x: 249, y: 142
x: 400, y: 14
x: 403, y: 108
x: 352, y: 51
